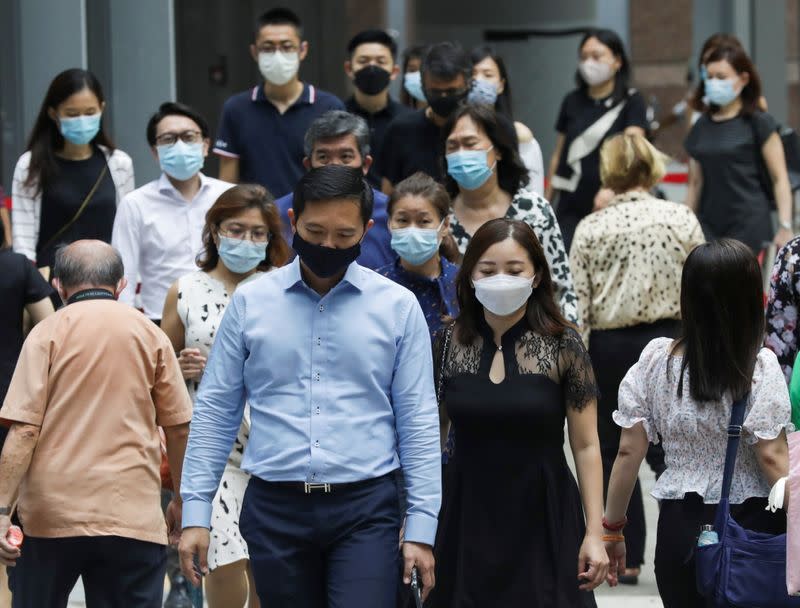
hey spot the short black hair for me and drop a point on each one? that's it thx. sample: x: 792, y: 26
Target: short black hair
x: 333, y: 182
x: 278, y: 16
x: 445, y: 61
x: 174, y: 108
x: 376, y: 36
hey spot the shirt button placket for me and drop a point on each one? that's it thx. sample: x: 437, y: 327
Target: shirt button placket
x: 316, y: 388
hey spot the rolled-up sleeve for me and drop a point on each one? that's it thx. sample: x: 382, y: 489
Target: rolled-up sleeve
x: 417, y: 423
x: 218, y: 412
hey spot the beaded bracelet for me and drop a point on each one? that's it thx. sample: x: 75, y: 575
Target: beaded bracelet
x: 615, y: 527
x: 613, y: 538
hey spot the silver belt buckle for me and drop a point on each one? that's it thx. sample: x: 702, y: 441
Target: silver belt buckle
x: 311, y: 487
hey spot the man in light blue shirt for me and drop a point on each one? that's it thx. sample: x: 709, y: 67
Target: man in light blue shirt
x: 335, y: 363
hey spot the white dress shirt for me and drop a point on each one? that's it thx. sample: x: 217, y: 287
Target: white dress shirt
x: 158, y: 233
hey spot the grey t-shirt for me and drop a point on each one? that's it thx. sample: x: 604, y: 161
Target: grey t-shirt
x: 735, y: 201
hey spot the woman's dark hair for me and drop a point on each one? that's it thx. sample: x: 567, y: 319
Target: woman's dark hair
x: 511, y: 172
x: 424, y: 186
x: 722, y: 310
x: 412, y: 52
x: 622, y: 78
x: 741, y: 63
x: 542, y: 313
x: 712, y: 42
x: 233, y: 202
x: 503, y: 103
x: 46, y: 138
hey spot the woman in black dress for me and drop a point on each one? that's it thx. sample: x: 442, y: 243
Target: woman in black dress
x: 511, y: 529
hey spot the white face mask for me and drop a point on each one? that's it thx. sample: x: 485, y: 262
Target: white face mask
x: 278, y: 67
x: 503, y: 294
x: 595, y: 72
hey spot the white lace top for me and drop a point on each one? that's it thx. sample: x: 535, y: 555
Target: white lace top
x: 695, y: 434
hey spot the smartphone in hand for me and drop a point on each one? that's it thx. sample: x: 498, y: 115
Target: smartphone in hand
x: 416, y: 587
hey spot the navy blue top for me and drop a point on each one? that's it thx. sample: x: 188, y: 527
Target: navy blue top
x: 268, y: 144
x: 437, y: 297
x: 376, y: 249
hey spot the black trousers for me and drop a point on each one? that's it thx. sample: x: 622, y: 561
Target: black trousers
x: 337, y: 550
x: 613, y: 352
x: 116, y: 572
x: 679, y: 523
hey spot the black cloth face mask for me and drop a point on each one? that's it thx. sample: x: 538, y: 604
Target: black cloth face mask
x: 445, y: 105
x: 371, y: 80
x: 324, y: 262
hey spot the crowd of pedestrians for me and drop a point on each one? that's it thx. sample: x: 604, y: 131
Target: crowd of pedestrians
x: 340, y: 374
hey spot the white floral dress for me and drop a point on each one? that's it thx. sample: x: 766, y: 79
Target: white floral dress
x: 201, y: 303
x: 695, y: 435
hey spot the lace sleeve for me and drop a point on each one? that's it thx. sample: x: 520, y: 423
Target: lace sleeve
x: 577, y: 374
x: 442, y: 345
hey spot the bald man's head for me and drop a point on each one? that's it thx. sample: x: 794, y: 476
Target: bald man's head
x: 88, y: 264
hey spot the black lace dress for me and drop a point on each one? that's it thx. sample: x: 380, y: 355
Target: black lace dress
x: 511, y: 523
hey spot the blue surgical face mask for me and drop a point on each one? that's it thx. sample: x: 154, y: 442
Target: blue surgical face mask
x: 80, y: 130
x: 720, y: 92
x: 181, y: 160
x: 416, y: 245
x: 470, y: 168
x: 412, y: 81
x: 241, y: 255
x: 483, y: 91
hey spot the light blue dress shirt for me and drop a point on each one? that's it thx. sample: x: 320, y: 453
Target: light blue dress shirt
x: 340, y: 389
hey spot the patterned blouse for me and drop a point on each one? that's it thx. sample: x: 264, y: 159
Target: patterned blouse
x: 783, y: 335
x: 538, y: 214
x: 437, y: 297
x: 627, y: 261
x: 695, y: 434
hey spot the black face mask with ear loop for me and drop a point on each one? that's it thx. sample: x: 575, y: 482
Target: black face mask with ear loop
x: 371, y: 80
x: 324, y: 262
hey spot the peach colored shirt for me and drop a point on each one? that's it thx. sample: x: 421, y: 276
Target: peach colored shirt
x: 98, y: 378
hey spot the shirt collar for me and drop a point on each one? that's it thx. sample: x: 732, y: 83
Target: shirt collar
x: 308, y: 96
x: 629, y: 197
x: 446, y: 276
x: 355, y: 275
x: 165, y: 186
x: 352, y: 106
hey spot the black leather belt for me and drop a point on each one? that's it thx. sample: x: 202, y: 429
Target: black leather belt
x: 304, y: 487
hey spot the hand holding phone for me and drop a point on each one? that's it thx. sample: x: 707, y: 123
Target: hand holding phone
x: 416, y: 587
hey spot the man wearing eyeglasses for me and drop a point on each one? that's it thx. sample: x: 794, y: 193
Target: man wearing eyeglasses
x: 158, y: 227
x: 261, y: 130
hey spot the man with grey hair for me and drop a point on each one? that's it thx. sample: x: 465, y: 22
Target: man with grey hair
x: 93, y: 383
x: 340, y: 138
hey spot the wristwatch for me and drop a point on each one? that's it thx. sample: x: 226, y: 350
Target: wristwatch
x: 5, y: 510
x: 785, y: 225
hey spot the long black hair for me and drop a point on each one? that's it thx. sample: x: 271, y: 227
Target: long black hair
x: 722, y: 312
x: 503, y: 103
x: 542, y: 313
x: 512, y: 175
x: 46, y: 139
x: 614, y: 43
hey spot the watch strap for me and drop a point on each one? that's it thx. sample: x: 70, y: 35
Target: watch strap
x: 5, y: 510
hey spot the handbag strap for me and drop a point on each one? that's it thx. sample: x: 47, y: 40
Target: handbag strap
x: 447, y: 335
x: 80, y: 210
x: 734, y: 435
